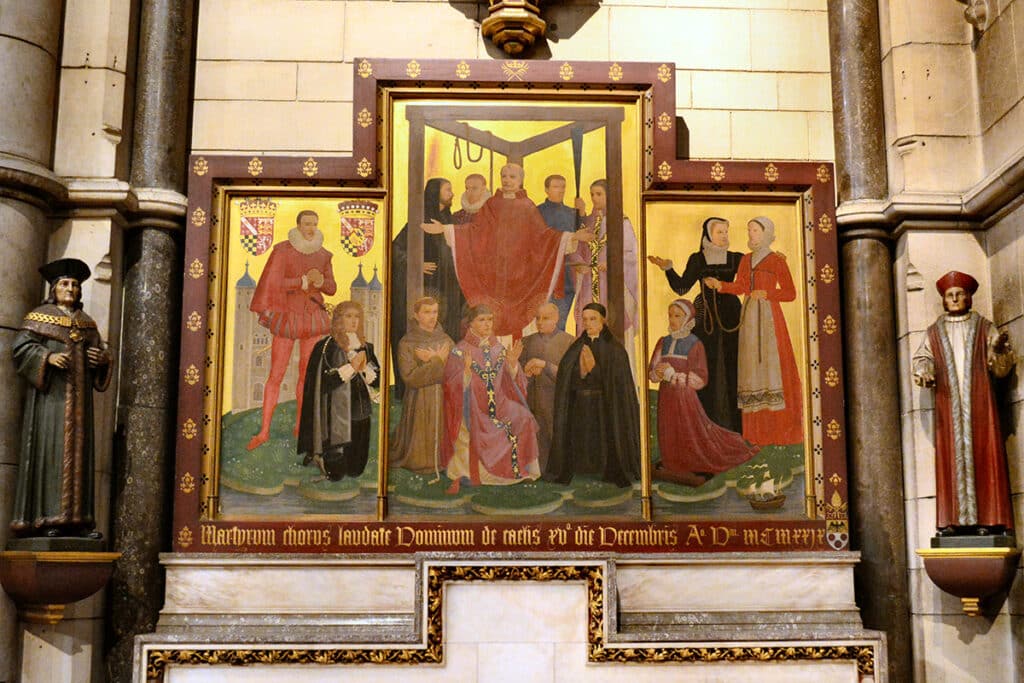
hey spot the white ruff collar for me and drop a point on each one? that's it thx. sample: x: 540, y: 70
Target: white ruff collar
x: 470, y: 207
x: 304, y: 246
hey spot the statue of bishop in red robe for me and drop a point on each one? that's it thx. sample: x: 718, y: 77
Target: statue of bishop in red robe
x: 959, y: 352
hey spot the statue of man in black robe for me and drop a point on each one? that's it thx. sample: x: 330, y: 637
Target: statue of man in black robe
x: 60, y: 353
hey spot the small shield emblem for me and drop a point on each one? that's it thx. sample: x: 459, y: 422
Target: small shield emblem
x: 257, y: 224
x: 358, y: 218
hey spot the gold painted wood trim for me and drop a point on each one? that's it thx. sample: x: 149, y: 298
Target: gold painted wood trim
x: 928, y: 553
x: 158, y: 660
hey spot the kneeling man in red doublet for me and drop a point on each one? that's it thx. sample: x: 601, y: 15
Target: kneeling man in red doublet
x: 959, y: 352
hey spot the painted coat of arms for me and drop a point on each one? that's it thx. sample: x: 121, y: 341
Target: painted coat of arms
x: 357, y: 226
x: 257, y: 224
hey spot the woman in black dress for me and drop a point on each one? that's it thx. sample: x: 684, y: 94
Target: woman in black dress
x: 718, y: 317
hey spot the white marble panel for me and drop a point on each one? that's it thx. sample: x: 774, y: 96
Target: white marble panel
x: 723, y: 586
x: 460, y: 664
x: 514, y: 662
x: 299, y: 587
x: 520, y: 611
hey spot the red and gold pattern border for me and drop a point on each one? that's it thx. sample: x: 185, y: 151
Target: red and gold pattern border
x: 598, y: 650
x: 655, y: 83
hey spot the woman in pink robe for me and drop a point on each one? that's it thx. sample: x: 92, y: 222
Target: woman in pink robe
x: 693, y: 448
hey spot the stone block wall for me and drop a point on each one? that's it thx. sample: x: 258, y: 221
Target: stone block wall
x: 275, y: 76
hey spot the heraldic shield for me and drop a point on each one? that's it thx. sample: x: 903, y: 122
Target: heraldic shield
x: 257, y: 224
x: 357, y: 225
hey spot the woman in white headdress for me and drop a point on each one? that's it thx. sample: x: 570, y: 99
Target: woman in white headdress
x: 768, y: 383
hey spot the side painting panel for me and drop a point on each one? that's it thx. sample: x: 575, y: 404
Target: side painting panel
x: 303, y: 329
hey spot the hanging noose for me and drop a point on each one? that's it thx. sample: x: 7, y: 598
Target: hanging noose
x: 457, y: 154
x: 469, y: 156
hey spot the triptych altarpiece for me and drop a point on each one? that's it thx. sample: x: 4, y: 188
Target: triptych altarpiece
x: 415, y: 419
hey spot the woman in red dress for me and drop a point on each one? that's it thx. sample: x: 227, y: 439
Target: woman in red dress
x: 768, y: 384
x: 693, y: 448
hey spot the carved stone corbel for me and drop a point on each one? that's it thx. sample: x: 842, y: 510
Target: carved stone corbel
x: 977, y: 14
x: 514, y: 25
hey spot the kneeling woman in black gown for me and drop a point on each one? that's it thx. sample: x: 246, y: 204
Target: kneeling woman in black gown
x: 341, y: 381
x: 718, y: 317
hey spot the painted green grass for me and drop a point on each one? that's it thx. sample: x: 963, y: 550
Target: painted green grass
x: 273, y: 465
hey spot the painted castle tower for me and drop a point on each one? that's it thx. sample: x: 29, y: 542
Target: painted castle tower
x: 252, y: 353
x: 371, y: 296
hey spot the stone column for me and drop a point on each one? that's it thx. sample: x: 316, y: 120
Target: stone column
x: 29, y: 39
x: 152, y: 286
x: 875, y: 458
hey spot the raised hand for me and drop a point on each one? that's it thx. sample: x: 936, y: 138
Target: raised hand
x: 587, y: 361
x: 515, y: 352
x: 424, y: 354
x: 358, y: 361
x: 662, y: 263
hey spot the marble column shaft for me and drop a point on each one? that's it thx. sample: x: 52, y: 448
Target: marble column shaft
x: 874, y: 435
x: 150, y: 342
x: 29, y: 39
x: 857, y: 104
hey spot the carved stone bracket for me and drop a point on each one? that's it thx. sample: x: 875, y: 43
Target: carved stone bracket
x: 977, y: 13
x: 514, y: 25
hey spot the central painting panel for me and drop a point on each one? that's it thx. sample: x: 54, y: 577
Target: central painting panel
x: 515, y: 327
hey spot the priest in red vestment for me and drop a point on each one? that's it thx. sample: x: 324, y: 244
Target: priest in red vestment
x: 959, y: 352
x: 507, y: 258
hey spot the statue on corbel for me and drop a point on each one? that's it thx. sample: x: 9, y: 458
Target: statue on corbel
x: 973, y: 554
